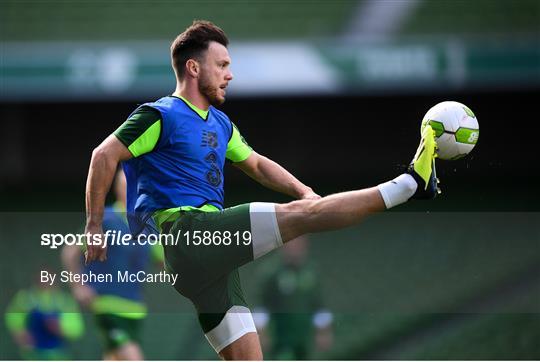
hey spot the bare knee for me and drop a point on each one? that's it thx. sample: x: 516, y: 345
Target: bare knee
x: 246, y: 347
x: 294, y: 218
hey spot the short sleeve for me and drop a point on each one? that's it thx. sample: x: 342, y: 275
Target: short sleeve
x: 17, y: 312
x: 237, y: 149
x: 141, y: 131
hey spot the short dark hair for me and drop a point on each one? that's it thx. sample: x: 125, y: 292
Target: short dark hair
x: 193, y: 42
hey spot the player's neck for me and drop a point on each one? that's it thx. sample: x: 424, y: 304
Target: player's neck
x: 193, y: 96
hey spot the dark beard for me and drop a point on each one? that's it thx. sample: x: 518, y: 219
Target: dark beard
x: 209, y: 92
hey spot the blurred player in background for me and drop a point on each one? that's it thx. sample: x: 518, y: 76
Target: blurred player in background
x: 291, y: 316
x: 118, y: 307
x: 42, y: 320
x: 174, y: 151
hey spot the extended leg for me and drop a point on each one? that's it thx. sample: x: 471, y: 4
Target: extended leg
x: 350, y: 208
x: 329, y: 213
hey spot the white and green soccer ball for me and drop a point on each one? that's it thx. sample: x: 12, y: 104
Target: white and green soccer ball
x: 456, y: 129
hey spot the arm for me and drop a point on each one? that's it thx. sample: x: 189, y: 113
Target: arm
x: 15, y: 318
x: 138, y: 135
x: 105, y: 160
x: 71, y: 258
x: 70, y: 323
x: 271, y: 175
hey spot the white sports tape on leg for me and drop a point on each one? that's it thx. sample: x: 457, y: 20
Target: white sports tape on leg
x: 236, y: 323
x: 265, y: 235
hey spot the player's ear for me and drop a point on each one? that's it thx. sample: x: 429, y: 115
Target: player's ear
x: 192, y: 68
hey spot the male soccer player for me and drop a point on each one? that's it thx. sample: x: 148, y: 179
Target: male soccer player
x: 291, y: 316
x: 42, y: 320
x: 174, y: 151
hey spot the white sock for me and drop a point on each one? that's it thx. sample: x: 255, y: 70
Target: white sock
x: 398, y: 191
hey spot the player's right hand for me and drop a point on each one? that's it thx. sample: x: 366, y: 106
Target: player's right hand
x: 84, y: 294
x: 96, y: 246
